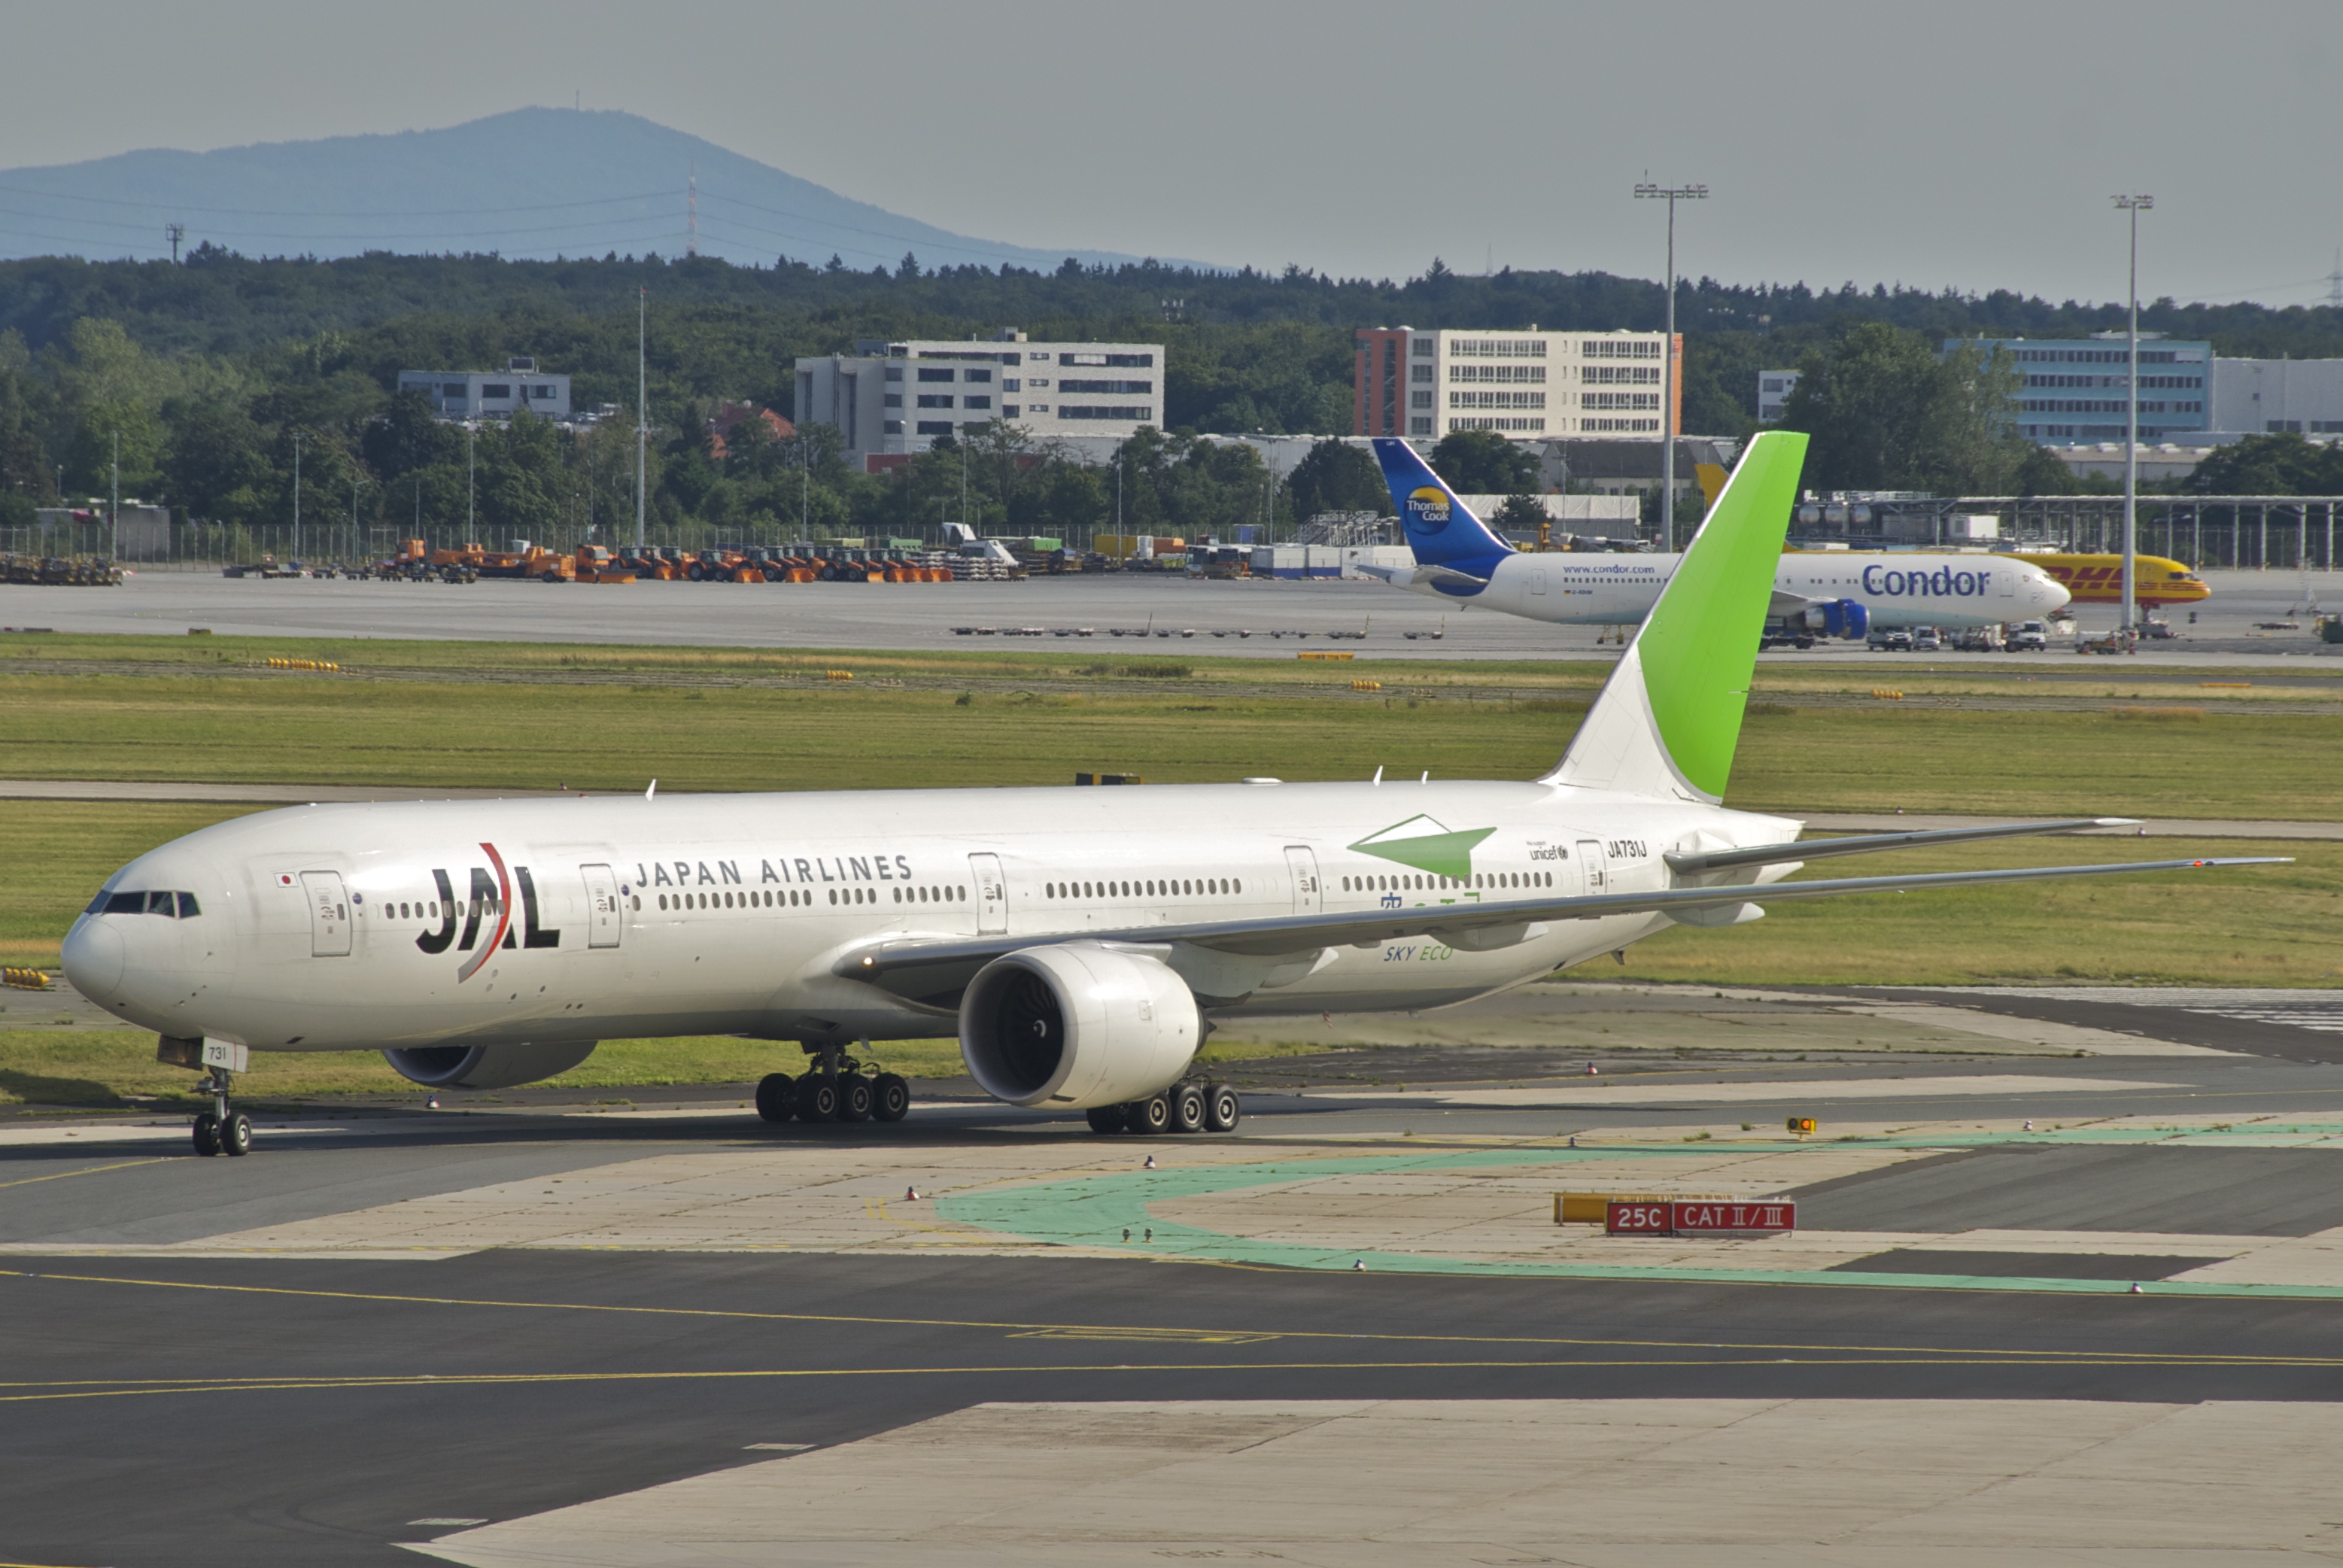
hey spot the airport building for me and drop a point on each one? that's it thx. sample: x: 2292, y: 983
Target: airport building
x: 491, y: 394
x: 1774, y: 389
x: 1423, y: 385
x: 2270, y: 397
x: 893, y: 399
x: 2072, y: 388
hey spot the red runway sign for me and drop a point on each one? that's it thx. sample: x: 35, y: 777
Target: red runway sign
x: 1705, y: 1217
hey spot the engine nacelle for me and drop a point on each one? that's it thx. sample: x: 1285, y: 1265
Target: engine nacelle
x: 1847, y: 618
x: 485, y: 1066
x: 1076, y: 1025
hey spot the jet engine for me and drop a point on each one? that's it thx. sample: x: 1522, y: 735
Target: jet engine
x: 1077, y: 1025
x: 485, y: 1066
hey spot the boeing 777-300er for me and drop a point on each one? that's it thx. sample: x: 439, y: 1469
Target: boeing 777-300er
x: 1079, y: 941
x: 1460, y: 559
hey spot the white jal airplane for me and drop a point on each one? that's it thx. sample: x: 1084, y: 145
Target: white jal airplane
x: 1080, y: 942
x: 1460, y: 559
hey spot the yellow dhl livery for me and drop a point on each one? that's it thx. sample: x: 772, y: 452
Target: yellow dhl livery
x: 2098, y: 579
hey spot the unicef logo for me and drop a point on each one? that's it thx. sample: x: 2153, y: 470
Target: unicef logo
x: 1942, y: 583
x: 1427, y: 508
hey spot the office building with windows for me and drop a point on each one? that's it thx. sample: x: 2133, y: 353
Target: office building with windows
x: 1422, y: 384
x: 491, y: 394
x: 2073, y: 390
x: 2272, y: 397
x: 891, y: 399
x: 1774, y: 389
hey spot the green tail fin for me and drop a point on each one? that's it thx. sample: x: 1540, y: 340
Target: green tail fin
x: 1668, y: 718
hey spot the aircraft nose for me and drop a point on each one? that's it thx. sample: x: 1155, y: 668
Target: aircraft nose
x: 93, y: 958
x: 2054, y: 594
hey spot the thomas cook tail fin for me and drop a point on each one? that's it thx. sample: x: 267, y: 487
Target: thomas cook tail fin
x: 1440, y: 529
x: 1667, y: 719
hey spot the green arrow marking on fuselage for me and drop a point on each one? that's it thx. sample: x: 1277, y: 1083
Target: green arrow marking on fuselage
x: 1426, y: 844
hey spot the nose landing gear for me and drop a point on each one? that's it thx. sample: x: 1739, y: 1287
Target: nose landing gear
x: 222, y: 1130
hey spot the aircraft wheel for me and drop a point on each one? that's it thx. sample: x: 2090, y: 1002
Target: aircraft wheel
x: 777, y: 1097
x: 1187, y: 1107
x: 1105, y: 1118
x: 236, y: 1134
x: 1151, y: 1115
x: 891, y: 1098
x: 1222, y: 1109
x: 853, y: 1097
x: 206, y: 1133
x: 817, y: 1098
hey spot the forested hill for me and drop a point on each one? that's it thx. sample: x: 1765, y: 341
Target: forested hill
x: 222, y: 303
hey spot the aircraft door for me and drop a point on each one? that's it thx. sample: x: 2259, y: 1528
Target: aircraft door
x: 1537, y: 581
x: 329, y: 914
x: 605, y: 918
x: 1302, y: 862
x: 1594, y: 868
x: 2008, y: 578
x: 991, y: 894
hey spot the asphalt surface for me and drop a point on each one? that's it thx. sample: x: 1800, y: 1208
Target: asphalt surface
x: 917, y: 615
x: 305, y: 1411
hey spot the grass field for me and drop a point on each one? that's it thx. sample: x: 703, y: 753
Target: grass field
x: 183, y: 709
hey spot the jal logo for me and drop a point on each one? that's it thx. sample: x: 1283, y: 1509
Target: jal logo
x: 1427, y: 508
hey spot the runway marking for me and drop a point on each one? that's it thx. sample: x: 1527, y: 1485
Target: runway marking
x: 85, y: 1171
x: 1951, y: 1355
x: 1153, y: 1336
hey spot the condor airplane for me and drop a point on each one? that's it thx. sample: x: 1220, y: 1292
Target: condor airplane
x: 1828, y: 593
x: 1080, y: 942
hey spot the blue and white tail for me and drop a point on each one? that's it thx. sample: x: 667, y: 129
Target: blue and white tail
x: 1440, y: 529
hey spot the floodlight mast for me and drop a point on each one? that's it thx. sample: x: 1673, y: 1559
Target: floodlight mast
x: 642, y: 419
x: 2132, y: 207
x: 1671, y: 194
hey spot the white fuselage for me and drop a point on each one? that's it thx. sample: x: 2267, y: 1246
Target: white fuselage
x: 366, y: 927
x: 1916, y: 590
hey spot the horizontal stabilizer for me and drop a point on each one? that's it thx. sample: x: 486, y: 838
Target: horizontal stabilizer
x: 1871, y: 844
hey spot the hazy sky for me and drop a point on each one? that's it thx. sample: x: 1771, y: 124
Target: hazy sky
x: 1972, y: 144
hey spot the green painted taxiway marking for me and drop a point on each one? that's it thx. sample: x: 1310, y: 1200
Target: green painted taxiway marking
x: 1097, y: 1210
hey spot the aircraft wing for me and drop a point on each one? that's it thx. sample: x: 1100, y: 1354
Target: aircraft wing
x: 1785, y: 602
x: 1871, y: 844
x: 928, y: 968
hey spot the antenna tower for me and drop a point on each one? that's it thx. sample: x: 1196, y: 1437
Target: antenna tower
x: 692, y: 215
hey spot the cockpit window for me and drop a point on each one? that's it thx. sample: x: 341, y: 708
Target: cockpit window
x: 170, y: 905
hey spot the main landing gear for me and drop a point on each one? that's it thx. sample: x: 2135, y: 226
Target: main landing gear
x: 221, y: 1131
x: 833, y: 1087
x: 1190, y: 1105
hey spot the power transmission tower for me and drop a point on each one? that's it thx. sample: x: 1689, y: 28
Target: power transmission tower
x: 178, y: 231
x: 2335, y: 284
x: 692, y: 215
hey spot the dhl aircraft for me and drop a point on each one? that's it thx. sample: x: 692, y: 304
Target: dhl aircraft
x: 1080, y: 942
x: 1829, y: 593
x: 2098, y: 579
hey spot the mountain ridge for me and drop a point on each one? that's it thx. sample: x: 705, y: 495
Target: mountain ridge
x: 528, y: 183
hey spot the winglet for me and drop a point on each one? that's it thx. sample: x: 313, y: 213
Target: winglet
x: 1440, y: 529
x: 1667, y: 721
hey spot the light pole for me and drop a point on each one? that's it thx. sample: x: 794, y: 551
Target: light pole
x: 114, y: 517
x: 1671, y: 194
x: 642, y: 415
x: 296, y: 496
x: 355, y: 483
x: 2132, y: 206
x: 471, y: 490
